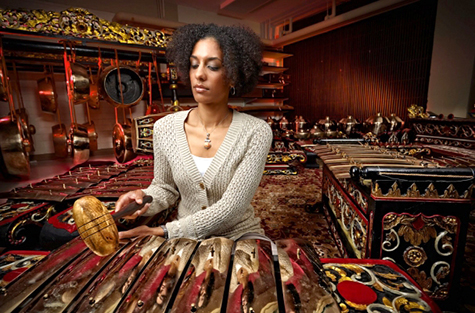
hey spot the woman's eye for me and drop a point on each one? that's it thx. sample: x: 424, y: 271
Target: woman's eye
x: 194, y: 66
x: 213, y: 68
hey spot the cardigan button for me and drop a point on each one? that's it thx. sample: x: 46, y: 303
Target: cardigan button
x: 203, y: 207
x: 202, y: 186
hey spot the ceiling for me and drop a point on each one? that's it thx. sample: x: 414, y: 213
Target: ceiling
x: 270, y: 11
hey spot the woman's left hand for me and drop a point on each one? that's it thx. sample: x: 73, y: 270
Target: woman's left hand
x: 141, y: 231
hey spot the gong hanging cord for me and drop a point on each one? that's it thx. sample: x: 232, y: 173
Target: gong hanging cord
x: 154, y: 58
x: 150, y: 85
x: 68, y: 73
x: 17, y: 87
x: 118, y: 75
x: 51, y: 70
x: 6, y: 82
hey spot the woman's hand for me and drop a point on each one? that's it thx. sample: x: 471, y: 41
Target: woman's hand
x: 129, y: 197
x: 141, y: 231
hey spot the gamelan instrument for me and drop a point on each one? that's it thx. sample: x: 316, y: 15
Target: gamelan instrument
x: 180, y: 275
x: 408, y: 204
x: 142, y: 132
x: 47, y: 92
x: 121, y: 86
x: 122, y: 140
x: 91, y: 129
x: 97, y: 227
x: 78, y: 92
x: 15, y: 137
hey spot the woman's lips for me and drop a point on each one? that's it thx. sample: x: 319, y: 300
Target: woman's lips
x: 200, y: 89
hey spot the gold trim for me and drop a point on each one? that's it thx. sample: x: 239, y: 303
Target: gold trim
x: 80, y: 23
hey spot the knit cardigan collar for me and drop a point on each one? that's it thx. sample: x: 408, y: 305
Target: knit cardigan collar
x: 220, y: 156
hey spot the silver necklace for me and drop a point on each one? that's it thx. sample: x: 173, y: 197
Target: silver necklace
x: 207, y: 143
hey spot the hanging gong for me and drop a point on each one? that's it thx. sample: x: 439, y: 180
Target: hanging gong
x: 79, y: 81
x: 47, y: 94
x: 60, y: 140
x: 92, y: 134
x: 129, y: 82
x: 122, y: 143
x: 3, y: 90
x: 15, y: 160
x: 79, y: 141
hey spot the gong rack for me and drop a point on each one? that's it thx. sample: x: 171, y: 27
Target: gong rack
x: 33, y: 52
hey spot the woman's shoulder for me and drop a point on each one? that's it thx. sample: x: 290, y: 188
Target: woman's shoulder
x: 169, y: 119
x: 252, y: 123
x: 250, y: 120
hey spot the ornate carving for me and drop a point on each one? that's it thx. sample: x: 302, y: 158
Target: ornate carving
x: 431, y: 192
x: 426, y: 243
x: 394, y: 292
x: 80, y: 23
x: 415, y: 256
x: 413, y: 192
x: 415, y: 111
x: 421, y: 278
x: 451, y: 192
x: 353, y: 226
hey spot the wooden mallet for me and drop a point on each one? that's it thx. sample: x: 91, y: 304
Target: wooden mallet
x: 96, y: 225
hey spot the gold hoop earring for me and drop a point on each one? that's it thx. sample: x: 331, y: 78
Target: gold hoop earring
x: 233, y: 91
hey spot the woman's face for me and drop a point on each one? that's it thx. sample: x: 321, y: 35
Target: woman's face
x: 207, y: 74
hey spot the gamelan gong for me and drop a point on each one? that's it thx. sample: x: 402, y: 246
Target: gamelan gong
x: 121, y: 86
x: 122, y: 143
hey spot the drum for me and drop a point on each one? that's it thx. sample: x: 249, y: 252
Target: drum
x: 142, y: 132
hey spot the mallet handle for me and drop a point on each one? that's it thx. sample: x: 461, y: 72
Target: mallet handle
x: 131, y: 208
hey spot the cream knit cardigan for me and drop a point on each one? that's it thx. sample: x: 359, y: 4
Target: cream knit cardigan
x: 218, y: 203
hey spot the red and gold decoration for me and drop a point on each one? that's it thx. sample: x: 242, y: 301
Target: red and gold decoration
x: 80, y: 23
x: 374, y: 286
x: 415, y: 238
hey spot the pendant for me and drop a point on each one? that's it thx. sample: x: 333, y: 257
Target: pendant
x: 207, y: 143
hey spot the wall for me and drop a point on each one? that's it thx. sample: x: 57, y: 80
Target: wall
x: 190, y: 15
x: 452, y: 80
x: 380, y: 64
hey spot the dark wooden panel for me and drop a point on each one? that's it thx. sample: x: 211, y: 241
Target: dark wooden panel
x: 380, y: 64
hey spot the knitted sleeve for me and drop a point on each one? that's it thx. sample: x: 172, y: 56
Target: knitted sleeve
x: 162, y: 188
x: 230, y: 209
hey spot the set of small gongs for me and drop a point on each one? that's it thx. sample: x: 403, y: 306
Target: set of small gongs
x: 120, y: 85
x: 16, y: 141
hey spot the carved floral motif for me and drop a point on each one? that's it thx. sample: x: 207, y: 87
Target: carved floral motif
x: 80, y: 23
x: 427, y: 247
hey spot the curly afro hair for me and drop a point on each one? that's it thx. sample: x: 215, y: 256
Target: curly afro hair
x: 241, y: 47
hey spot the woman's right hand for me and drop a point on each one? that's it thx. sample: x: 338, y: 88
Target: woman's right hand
x: 129, y: 197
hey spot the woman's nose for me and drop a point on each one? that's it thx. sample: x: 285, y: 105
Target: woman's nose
x: 200, y: 73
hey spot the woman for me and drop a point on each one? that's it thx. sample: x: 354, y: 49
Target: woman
x: 210, y: 157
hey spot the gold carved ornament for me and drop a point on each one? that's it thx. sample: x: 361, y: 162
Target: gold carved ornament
x: 80, y: 23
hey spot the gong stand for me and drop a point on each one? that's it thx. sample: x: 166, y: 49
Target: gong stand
x: 121, y: 134
x: 27, y: 129
x: 60, y: 135
x: 78, y: 137
x: 94, y: 102
x: 159, y: 83
x: 91, y: 128
x: 14, y: 160
x: 175, y: 107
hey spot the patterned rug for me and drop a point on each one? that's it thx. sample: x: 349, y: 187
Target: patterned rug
x: 285, y: 203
